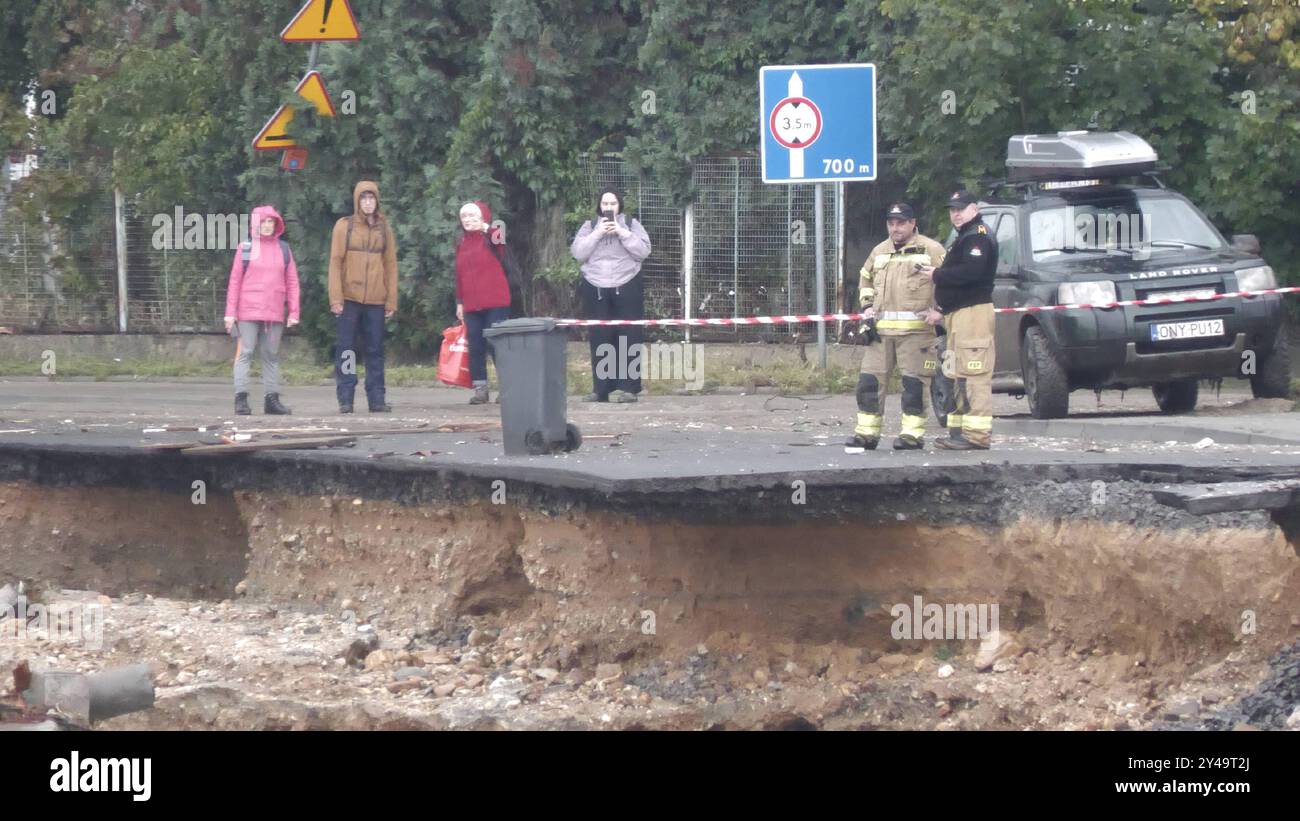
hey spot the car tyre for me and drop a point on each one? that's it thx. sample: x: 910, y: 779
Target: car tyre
x: 1272, y: 379
x: 1176, y: 397
x: 1046, y: 384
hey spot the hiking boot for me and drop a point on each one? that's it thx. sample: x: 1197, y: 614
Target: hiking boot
x: 958, y: 443
x: 384, y: 408
x: 271, y: 405
x: 908, y: 442
x: 241, y: 405
x: 625, y: 398
x: 480, y: 396
x: 345, y: 408
x: 860, y: 442
x: 595, y: 397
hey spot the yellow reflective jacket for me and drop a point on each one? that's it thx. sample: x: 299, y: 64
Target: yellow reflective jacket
x: 890, y: 283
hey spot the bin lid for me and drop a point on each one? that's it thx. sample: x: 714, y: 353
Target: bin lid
x: 523, y: 325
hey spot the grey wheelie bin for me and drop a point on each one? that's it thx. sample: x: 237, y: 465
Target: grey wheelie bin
x: 530, y: 359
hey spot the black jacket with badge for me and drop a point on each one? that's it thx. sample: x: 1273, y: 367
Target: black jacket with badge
x: 966, y: 276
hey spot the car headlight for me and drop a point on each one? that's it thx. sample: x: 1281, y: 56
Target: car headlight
x: 1259, y: 278
x: 1100, y: 292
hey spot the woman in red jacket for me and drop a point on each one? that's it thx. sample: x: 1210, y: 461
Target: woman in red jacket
x: 482, y: 290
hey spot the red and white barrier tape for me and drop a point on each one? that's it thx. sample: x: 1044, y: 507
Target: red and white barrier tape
x: 794, y: 319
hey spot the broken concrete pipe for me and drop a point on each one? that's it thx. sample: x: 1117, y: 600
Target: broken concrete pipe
x: 96, y: 697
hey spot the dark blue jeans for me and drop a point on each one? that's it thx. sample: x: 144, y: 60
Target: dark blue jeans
x: 475, y: 322
x: 363, y: 324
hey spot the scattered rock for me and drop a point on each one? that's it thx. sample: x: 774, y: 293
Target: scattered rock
x: 608, y: 672
x: 1181, y: 710
x: 998, y: 645
x: 546, y: 673
x: 444, y: 690
x: 945, y: 671
x: 410, y: 672
x: 1004, y: 665
x: 893, y: 662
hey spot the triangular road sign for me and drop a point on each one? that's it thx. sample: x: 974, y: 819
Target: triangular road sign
x: 322, y: 20
x: 312, y: 89
x: 273, y: 135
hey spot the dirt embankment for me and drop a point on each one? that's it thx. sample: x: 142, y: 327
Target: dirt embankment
x: 602, y: 619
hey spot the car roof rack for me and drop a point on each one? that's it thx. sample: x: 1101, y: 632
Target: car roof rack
x: 1078, y: 155
x: 1030, y: 189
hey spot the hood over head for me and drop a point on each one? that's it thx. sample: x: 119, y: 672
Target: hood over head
x: 262, y: 212
x: 361, y: 188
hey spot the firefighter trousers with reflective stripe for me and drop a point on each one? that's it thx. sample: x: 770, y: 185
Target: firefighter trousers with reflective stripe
x: 969, y: 362
x: 916, y: 356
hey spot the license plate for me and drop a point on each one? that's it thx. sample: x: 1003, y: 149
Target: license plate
x: 1168, y: 331
x: 1195, y: 293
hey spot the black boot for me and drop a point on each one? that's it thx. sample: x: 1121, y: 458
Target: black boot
x: 241, y: 405
x: 271, y: 405
x: 859, y: 441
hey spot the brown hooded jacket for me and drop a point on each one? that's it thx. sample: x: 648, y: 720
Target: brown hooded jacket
x: 364, y: 268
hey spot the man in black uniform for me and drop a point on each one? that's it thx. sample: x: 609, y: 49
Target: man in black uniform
x: 963, y: 290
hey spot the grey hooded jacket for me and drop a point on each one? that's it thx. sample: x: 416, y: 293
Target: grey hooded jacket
x: 610, y: 261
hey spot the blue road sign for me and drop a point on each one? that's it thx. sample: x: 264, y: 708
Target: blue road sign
x: 817, y: 123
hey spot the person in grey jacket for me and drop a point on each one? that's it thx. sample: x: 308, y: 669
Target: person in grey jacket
x: 611, y: 248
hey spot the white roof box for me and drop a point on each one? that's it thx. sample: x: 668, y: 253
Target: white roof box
x: 1073, y: 155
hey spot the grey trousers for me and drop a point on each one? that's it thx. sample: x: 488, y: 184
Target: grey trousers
x: 254, y: 335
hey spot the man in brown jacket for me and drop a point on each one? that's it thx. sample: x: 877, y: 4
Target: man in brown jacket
x: 363, y: 293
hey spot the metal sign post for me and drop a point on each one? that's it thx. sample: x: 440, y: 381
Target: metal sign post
x: 821, y: 274
x: 818, y: 125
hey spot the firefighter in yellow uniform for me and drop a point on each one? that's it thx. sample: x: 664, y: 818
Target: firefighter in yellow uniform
x: 898, y: 299
x: 963, y: 290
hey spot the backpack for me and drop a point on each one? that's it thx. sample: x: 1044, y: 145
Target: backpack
x: 347, y: 242
x: 246, y: 249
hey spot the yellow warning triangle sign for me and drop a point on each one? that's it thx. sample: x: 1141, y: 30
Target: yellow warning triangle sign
x: 322, y: 20
x: 274, y: 135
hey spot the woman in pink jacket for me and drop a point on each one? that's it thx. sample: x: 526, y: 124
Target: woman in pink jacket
x: 263, y: 278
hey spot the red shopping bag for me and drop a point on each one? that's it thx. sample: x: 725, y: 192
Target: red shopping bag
x: 453, y: 361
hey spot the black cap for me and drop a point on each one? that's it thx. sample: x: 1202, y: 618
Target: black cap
x: 899, y: 211
x: 961, y: 199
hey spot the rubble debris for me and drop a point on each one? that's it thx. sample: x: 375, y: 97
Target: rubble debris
x: 78, y: 700
x: 285, y: 444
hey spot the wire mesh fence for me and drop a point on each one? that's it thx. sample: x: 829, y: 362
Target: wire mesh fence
x: 61, y: 273
x: 742, y: 248
x: 175, y: 282
x: 56, y: 272
x: 750, y: 248
x: 754, y: 247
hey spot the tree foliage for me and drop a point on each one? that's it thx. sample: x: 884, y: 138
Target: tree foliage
x: 456, y: 102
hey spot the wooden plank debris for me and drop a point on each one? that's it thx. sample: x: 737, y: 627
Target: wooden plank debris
x: 283, y: 444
